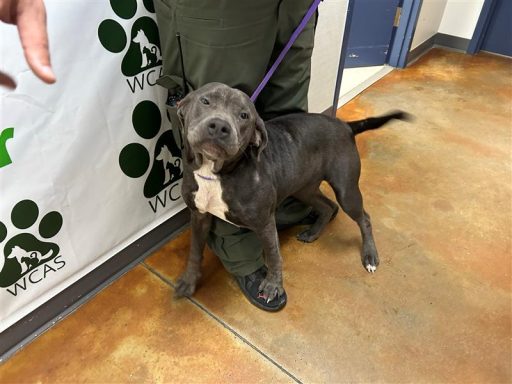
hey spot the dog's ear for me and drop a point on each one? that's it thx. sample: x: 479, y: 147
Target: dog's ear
x: 181, y: 111
x: 259, y: 137
x: 183, y: 105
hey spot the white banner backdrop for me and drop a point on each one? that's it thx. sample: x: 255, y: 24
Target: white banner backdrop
x: 89, y: 164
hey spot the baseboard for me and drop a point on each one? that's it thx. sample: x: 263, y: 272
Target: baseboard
x: 61, y: 305
x: 453, y: 42
x: 420, y: 50
x: 438, y: 40
x: 496, y: 54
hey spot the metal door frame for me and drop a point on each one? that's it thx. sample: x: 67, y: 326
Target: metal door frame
x: 400, y: 41
x: 481, y: 27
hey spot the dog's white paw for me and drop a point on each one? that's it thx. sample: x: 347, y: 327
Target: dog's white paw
x: 371, y: 268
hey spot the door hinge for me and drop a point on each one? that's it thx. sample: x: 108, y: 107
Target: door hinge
x: 397, y: 16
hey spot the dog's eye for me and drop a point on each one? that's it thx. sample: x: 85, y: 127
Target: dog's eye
x: 244, y: 116
x: 204, y: 101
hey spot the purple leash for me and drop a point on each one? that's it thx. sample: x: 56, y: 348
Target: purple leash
x: 285, y: 50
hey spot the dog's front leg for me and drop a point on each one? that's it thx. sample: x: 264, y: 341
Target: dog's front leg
x: 272, y: 285
x: 200, y: 226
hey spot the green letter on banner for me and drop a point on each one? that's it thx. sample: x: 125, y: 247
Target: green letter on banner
x: 6, y: 134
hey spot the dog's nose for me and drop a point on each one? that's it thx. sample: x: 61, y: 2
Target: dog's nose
x: 219, y: 128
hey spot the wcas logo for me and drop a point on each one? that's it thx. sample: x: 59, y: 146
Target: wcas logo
x: 140, y: 47
x: 30, y: 254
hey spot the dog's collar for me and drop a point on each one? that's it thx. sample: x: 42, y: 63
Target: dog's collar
x: 205, y: 172
x: 209, y: 178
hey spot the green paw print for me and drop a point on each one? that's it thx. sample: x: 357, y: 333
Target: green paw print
x: 144, y: 46
x: 24, y: 252
x: 165, y: 164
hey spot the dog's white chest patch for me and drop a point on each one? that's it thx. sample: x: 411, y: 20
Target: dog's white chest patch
x: 208, y: 197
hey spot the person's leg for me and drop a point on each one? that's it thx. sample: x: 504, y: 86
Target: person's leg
x: 238, y: 249
x: 287, y: 90
x: 229, y: 44
x: 227, y: 41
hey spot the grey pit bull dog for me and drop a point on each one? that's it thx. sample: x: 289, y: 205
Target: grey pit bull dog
x: 240, y: 169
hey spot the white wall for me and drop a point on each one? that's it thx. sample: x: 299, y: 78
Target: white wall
x: 452, y: 17
x: 431, y: 14
x: 460, y: 17
x: 326, y: 54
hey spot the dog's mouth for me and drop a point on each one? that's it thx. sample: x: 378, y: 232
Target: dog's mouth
x: 214, y: 151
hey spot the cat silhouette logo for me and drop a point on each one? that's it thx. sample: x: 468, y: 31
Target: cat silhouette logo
x: 143, y: 50
x: 171, y: 164
x: 25, y: 256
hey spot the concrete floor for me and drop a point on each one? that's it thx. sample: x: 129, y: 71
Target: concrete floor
x: 438, y: 310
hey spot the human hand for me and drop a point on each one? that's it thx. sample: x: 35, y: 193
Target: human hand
x: 30, y: 18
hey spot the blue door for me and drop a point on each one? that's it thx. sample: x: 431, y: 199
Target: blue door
x: 370, y: 33
x: 498, y: 37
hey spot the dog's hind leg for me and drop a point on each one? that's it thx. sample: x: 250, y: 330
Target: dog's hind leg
x: 323, y: 206
x: 351, y: 201
x: 200, y: 226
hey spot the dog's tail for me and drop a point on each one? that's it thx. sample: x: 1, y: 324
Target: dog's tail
x: 361, y: 126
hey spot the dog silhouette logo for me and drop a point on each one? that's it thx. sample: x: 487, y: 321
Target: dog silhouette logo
x: 150, y: 52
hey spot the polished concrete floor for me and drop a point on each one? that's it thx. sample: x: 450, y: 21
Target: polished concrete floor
x: 438, y: 310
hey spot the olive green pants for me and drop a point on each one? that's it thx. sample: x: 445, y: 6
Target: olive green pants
x: 234, y: 42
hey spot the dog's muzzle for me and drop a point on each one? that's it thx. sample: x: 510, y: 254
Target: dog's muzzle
x: 215, y: 138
